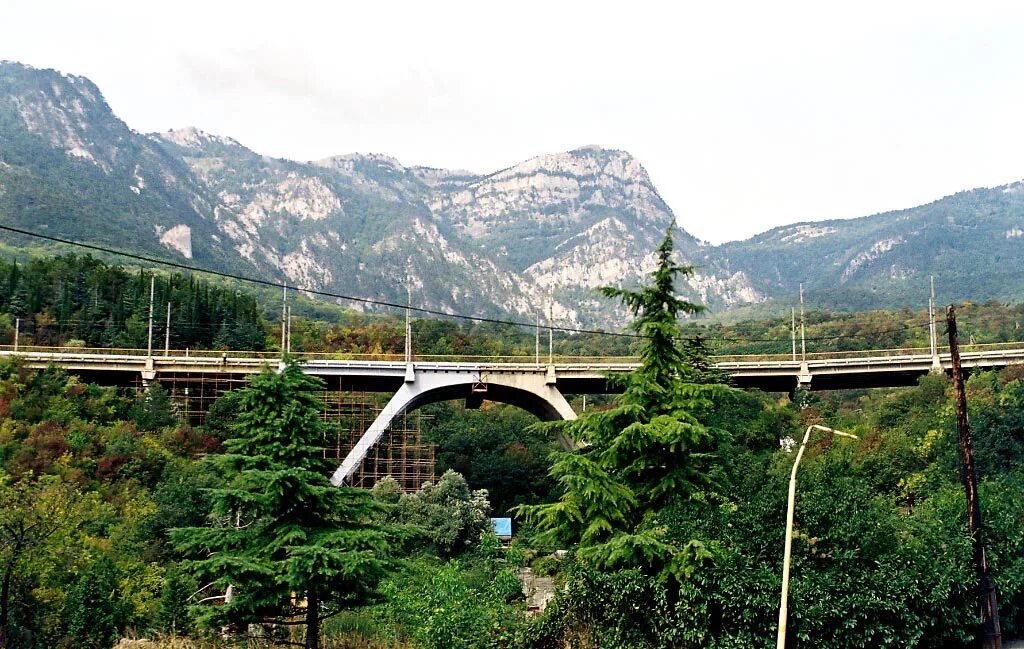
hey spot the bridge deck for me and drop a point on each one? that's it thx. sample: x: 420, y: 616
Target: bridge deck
x: 573, y: 375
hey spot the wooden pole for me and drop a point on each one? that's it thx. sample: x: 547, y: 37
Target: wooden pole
x: 986, y: 589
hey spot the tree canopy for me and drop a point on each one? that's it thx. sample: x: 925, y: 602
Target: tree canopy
x: 286, y: 542
x: 650, y: 448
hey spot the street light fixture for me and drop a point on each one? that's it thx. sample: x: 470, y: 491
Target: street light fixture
x: 783, y: 608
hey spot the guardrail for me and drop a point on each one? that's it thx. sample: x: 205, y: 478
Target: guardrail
x: 561, y: 359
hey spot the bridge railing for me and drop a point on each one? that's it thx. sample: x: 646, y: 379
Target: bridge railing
x: 863, y: 353
x: 309, y: 356
x: 489, y: 358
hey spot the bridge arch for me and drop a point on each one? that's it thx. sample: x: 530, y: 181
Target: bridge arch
x: 531, y: 392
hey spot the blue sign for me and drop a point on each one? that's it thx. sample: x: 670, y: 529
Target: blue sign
x: 502, y: 527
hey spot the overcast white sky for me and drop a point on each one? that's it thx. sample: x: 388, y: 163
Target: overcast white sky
x: 747, y: 116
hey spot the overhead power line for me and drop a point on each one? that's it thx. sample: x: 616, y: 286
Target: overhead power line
x: 394, y: 305
x: 312, y: 291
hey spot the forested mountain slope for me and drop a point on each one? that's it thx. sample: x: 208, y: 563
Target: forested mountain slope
x: 972, y: 242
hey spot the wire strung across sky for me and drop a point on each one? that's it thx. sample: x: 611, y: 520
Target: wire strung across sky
x: 417, y: 309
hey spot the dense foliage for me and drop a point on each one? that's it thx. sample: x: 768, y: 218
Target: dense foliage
x: 81, y: 301
x: 881, y: 554
x: 496, y: 448
x: 94, y: 478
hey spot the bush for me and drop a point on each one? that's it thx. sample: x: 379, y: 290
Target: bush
x: 545, y: 566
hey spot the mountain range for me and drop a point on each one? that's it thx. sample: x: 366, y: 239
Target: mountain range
x: 534, y: 239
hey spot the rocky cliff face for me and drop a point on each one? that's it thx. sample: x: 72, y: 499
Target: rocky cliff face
x: 531, y: 238
x: 69, y: 167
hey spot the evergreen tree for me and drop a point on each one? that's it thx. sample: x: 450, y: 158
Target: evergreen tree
x: 287, y: 535
x: 173, y: 616
x: 650, y: 448
x: 92, y: 611
x: 153, y: 409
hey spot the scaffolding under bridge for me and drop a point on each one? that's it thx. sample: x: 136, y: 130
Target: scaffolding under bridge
x: 403, y: 453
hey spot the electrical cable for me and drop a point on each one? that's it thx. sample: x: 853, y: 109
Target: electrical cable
x: 271, y: 283
x: 424, y: 310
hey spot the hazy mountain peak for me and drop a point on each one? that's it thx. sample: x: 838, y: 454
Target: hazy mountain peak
x: 191, y: 137
x: 68, y: 112
x: 591, y: 160
x: 364, y: 157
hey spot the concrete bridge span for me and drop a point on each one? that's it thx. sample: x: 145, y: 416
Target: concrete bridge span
x: 537, y: 387
x: 530, y: 391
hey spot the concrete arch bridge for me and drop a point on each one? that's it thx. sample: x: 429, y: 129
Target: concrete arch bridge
x: 538, y: 387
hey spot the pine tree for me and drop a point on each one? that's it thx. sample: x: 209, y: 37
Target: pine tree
x: 173, y: 615
x: 650, y: 448
x: 153, y: 409
x: 287, y: 535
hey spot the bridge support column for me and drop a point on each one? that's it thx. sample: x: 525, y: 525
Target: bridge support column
x: 803, y: 379
x: 803, y: 386
x: 148, y: 372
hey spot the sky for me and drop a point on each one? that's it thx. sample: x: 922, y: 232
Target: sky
x: 746, y: 115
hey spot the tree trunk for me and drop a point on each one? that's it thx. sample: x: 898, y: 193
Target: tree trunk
x: 5, y: 602
x: 312, y: 620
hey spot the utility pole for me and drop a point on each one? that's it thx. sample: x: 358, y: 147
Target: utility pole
x: 536, y: 342
x: 408, y: 323
x: 17, y: 332
x: 284, y: 317
x: 803, y: 334
x: 288, y: 338
x: 551, y: 339
x: 932, y: 328
x: 167, y: 332
x: 152, y: 294
x: 792, y: 329
x: 987, y: 590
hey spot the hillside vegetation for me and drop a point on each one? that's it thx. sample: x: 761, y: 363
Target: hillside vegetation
x: 120, y: 519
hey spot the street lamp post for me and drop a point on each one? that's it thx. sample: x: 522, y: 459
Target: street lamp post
x: 783, y: 607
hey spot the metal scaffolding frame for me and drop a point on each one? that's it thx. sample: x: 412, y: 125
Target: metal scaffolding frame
x: 403, y: 453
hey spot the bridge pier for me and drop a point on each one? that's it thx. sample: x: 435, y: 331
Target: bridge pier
x: 803, y: 378
x: 148, y: 372
x: 803, y: 385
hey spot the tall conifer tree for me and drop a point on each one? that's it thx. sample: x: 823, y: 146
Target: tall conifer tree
x: 650, y: 448
x: 290, y: 544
